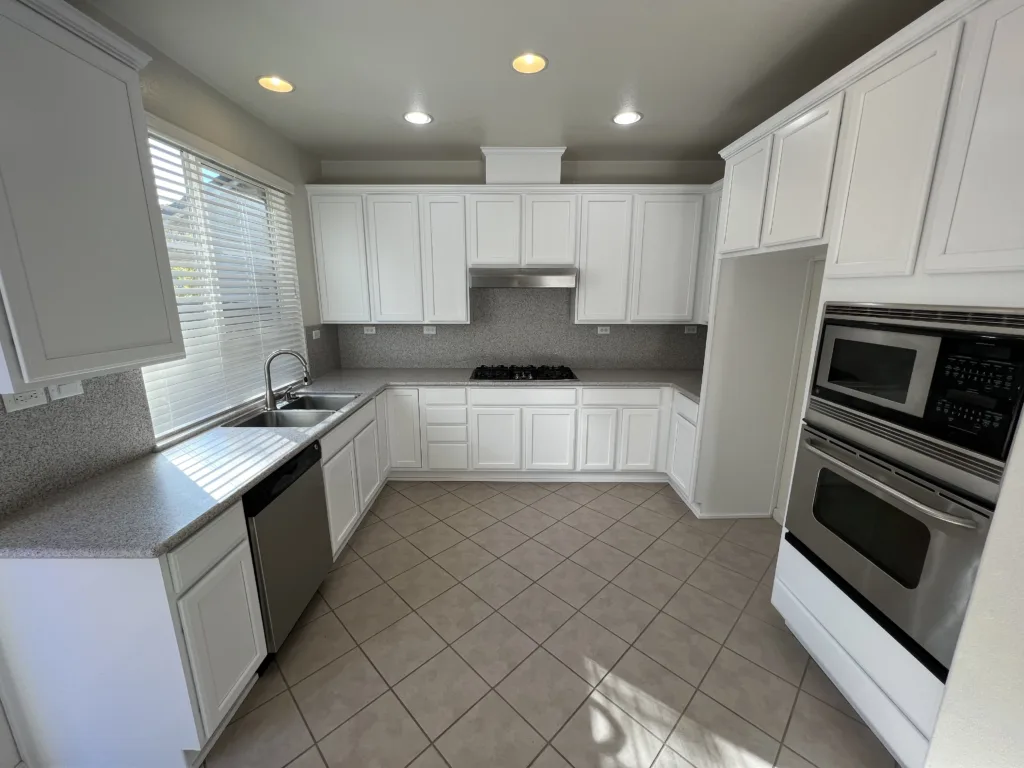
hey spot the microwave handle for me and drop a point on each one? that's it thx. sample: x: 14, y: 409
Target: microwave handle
x: 924, y: 509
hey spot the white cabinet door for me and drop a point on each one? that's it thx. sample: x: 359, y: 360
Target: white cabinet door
x: 605, y: 226
x: 495, y: 435
x: 384, y: 454
x: 367, y: 468
x: 343, y: 505
x: 550, y: 438
x: 746, y: 180
x: 339, y: 243
x: 891, y: 127
x: 494, y: 226
x: 83, y: 260
x: 223, y: 629
x: 682, y: 452
x: 598, y: 427
x: 396, y: 281
x: 706, y: 263
x: 800, y: 175
x: 445, y: 284
x: 976, y: 219
x: 404, y: 428
x: 638, y: 439
x: 549, y: 229
x: 666, y: 249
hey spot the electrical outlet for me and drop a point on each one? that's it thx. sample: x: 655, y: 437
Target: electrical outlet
x: 19, y: 401
x: 689, y: 329
x: 60, y: 391
x: 429, y: 330
x: 369, y: 330
x: 604, y: 330
x: 316, y: 335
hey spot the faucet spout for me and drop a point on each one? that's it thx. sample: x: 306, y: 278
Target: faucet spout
x: 270, y: 403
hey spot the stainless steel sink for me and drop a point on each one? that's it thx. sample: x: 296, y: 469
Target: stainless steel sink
x: 291, y: 418
x: 319, y: 402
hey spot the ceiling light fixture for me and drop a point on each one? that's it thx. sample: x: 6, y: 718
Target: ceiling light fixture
x: 276, y: 84
x: 529, y: 63
x: 418, y: 118
x: 627, y: 118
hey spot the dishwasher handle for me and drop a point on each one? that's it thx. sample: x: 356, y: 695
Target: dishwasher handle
x: 256, y: 499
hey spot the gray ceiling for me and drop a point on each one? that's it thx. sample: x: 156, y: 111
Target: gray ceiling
x: 703, y: 72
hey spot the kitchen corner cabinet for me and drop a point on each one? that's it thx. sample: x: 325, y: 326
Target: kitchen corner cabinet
x: 682, y: 453
x: 746, y: 179
x: 87, y: 285
x: 494, y: 229
x: 393, y: 250
x: 339, y: 242
x: 445, y: 280
x: 666, y: 250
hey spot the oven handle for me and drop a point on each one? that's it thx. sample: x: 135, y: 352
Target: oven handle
x: 924, y: 509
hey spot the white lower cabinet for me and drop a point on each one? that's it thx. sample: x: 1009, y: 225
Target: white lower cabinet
x: 638, y: 439
x: 550, y: 438
x: 598, y: 429
x: 343, y: 502
x: 404, y: 428
x: 681, y: 453
x: 368, y: 475
x: 383, y: 452
x: 495, y: 437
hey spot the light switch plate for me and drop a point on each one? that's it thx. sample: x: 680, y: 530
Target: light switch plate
x: 429, y: 330
x: 604, y: 330
x: 19, y: 401
x: 369, y: 330
x: 60, y: 391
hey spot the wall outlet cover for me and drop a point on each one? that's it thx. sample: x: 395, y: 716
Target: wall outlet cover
x: 369, y: 330
x: 429, y: 330
x: 60, y: 391
x: 689, y: 329
x: 316, y: 335
x: 19, y: 401
x: 604, y: 330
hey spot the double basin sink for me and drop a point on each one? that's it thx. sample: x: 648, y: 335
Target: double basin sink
x: 303, y: 411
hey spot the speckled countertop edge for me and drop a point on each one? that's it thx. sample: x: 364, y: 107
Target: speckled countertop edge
x: 148, y: 507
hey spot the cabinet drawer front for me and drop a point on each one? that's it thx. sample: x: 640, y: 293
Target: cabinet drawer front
x: 455, y: 414
x: 522, y: 396
x: 685, y: 407
x: 448, y: 456
x: 447, y: 434
x: 205, y: 549
x: 344, y: 433
x: 607, y: 396
x: 443, y: 396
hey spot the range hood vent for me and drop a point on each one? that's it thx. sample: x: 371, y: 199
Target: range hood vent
x: 554, y: 277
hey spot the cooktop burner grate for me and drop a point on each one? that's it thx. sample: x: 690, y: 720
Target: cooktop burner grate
x: 522, y: 373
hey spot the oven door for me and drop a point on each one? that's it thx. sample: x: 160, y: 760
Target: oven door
x: 886, y: 368
x: 909, y: 550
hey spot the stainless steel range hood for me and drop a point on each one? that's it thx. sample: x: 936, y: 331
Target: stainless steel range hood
x: 551, y: 277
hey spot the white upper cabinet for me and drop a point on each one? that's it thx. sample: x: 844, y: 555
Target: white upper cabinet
x: 549, y: 230
x: 746, y: 179
x: 976, y: 221
x: 602, y: 294
x: 396, y: 278
x: 891, y: 128
x: 340, y: 247
x: 494, y: 229
x: 83, y: 262
x: 443, y: 231
x: 706, y: 263
x: 800, y: 175
x: 666, y: 249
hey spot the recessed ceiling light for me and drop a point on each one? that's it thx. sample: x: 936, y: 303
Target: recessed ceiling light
x: 276, y: 84
x: 418, y: 118
x: 529, y: 63
x: 627, y: 118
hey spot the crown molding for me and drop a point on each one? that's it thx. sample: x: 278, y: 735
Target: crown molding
x: 88, y: 29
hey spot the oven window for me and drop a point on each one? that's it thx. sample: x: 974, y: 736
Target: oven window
x: 874, y: 369
x: 889, y: 538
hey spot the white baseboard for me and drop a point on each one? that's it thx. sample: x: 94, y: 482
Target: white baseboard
x: 530, y: 477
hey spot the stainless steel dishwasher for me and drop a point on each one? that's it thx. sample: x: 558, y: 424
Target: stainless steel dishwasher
x: 290, y: 539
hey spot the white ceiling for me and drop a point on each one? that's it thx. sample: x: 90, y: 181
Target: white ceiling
x: 702, y: 72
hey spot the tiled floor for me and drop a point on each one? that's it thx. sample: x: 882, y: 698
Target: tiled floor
x: 546, y: 625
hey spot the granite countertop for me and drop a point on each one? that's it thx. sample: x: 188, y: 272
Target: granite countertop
x: 149, y: 506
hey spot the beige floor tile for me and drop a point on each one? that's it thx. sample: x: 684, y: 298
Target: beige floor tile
x: 402, y: 647
x: 537, y: 612
x: 722, y: 583
x: 490, y: 734
x: 590, y: 521
x: 332, y: 695
x: 647, y: 692
x: 760, y: 536
x: 533, y: 559
x: 790, y: 759
x: 435, y: 539
x: 602, y: 487
x: 431, y: 758
x: 382, y: 735
x: 817, y: 683
x: 494, y: 648
x: 527, y: 493
x: 740, y: 559
x: 268, y: 737
x: 564, y: 539
x: 648, y: 583
x: 412, y: 520
x: 501, y: 487
x: 585, y: 647
x: 500, y: 506
x: 450, y: 485
x: 578, y: 492
x: 666, y: 506
x: 530, y: 521
x: 714, y: 526
x: 348, y: 555
x: 618, y: 611
x: 600, y: 734
x: 751, y: 692
x: 611, y: 506
x: 672, y: 560
x: 497, y: 583
x: 627, y: 539
x: 777, y: 650
x: 669, y: 759
x: 422, y: 492
x: 710, y: 736
x: 308, y: 759
x: 607, y: 562
x: 760, y: 606
x: 550, y: 487
x: 474, y: 493
x: 270, y: 684
x: 312, y: 646
x: 648, y: 521
x: 705, y: 613
x: 632, y: 492
x: 440, y: 692
x: 544, y: 692
x: 455, y: 612
x: 470, y: 521
x: 669, y: 493
x: 674, y: 645
x: 316, y: 608
x: 499, y: 539
x: 692, y: 540
x: 556, y: 506
x: 445, y: 506
x: 573, y: 583
x: 827, y: 737
x: 348, y: 583
x: 464, y: 559
x: 394, y: 559
x: 369, y: 613
x: 372, y: 538
x: 368, y: 519
x: 421, y: 584
x: 386, y: 506
x: 550, y: 759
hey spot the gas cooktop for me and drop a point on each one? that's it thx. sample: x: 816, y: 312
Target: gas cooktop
x: 522, y: 373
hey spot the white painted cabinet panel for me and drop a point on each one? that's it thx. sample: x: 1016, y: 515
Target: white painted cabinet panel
x: 396, y: 282
x: 598, y: 430
x: 404, y: 428
x: 339, y: 243
x: 549, y: 229
x: 706, y: 263
x: 682, y: 452
x: 638, y: 439
x: 891, y: 127
x: 384, y: 453
x: 800, y: 175
x: 746, y: 180
x: 343, y: 503
x: 976, y: 221
x: 495, y: 435
x: 223, y: 630
x: 445, y: 284
x: 550, y: 438
x: 605, y: 226
x: 666, y: 249
x: 494, y: 229
x: 367, y: 469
